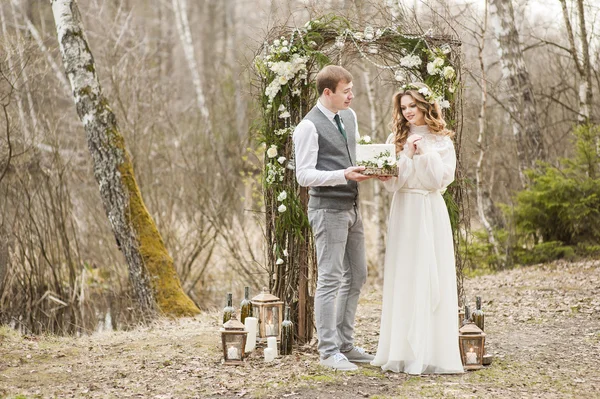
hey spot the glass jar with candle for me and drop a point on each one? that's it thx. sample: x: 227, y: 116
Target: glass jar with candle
x: 228, y: 310
x: 245, y: 306
x: 287, y: 334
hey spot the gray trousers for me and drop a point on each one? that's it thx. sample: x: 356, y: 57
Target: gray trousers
x: 342, y: 266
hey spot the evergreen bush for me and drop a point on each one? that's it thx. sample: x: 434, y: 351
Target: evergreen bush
x: 562, y: 203
x: 557, y: 214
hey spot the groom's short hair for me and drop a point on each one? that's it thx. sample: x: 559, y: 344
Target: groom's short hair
x: 330, y: 76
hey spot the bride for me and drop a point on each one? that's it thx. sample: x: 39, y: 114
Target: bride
x: 419, y: 319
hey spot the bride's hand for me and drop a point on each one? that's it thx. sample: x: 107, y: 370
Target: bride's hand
x: 418, y: 147
x: 411, y: 144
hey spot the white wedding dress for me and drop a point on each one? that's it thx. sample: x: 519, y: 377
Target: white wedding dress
x: 419, y: 317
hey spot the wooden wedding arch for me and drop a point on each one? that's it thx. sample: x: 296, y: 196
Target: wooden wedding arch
x: 286, y: 69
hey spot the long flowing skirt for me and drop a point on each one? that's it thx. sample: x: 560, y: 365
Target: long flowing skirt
x: 419, y: 320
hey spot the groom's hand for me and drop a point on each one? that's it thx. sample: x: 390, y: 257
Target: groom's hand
x: 353, y: 173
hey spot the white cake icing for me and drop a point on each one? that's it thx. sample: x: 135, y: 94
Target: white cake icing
x: 370, y: 152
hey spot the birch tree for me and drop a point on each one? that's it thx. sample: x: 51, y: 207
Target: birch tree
x: 185, y: 35
x: 152, y: 274
x: 481, y: 139
x: 520, y: 96
x: 582, y: 62
x: 231, y: 23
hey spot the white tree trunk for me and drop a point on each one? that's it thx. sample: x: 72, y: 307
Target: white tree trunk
x: 521, y: 100
x: 232, y: 39
x: 586, y: 86
x: 185, y: 35
x: 481, y: 141
x: 151, y: 269
x: 583, y: 66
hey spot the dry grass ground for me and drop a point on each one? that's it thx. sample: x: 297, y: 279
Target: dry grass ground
x: 543, y: 326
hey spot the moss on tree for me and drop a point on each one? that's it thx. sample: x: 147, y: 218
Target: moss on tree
x: 165, y: 282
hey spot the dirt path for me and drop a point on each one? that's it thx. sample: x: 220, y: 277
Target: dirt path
x: 543, y: 325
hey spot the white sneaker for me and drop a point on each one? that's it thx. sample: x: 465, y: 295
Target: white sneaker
x: 358, y: 355
x: 338, y: 362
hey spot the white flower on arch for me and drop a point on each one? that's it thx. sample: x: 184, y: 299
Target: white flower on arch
x: 449, y: 72
x: 272, y: 151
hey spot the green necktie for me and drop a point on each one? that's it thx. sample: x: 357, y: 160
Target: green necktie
x: 339, y: 125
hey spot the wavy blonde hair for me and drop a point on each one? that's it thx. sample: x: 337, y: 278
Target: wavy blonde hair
x: 431, y: 112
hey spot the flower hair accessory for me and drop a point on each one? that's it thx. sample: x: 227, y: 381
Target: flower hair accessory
x: 431, y: 96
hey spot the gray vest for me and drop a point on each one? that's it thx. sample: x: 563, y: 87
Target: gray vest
x: 334, y: 154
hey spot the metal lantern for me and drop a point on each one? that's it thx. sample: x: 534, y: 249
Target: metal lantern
x: 461, y: 317
x: 472, y: 346
x: 267, y: 308
x: 233, y: 336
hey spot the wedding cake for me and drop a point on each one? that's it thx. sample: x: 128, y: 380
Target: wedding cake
x: 379, y: 159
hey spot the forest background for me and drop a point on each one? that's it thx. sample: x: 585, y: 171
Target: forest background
x: 168, y: 67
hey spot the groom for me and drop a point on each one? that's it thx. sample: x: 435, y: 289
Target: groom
x: 325, y: 146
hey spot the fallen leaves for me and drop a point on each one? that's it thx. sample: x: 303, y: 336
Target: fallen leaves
x: 543, y: 326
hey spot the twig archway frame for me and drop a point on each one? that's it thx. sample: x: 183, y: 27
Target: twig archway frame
x: 286, y: 70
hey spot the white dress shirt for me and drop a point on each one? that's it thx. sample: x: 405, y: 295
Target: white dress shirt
x: 306, y: 144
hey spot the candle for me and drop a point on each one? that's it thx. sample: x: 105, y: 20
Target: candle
x: 471, y: 357
x: 269, y: 326
x: 269, y: 329
x: 251, y: 324
x: 272, y: 344
x: 269, y: 355
x: 232, y: 353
